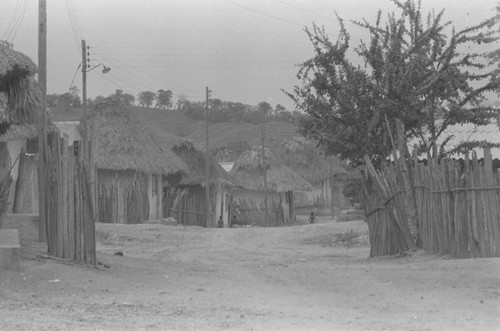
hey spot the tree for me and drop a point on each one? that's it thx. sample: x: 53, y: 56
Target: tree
x: 164, y: 99
x: 279, y: 109
x: 125, y: 98
x: 265, y: 107
x: 65, y: 100
x: 146, y: 98
x: 181, y: 101
x: 412, y: 71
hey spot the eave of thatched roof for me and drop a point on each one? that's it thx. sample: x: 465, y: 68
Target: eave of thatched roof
x: 13, y: 64
x: 125, y: 144
x: 249, y: 171
x: 196, y: 162
x: 22, y: 91
x: 21, y: 131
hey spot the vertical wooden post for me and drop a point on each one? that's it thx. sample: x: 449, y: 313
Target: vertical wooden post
x: 332, y: 201
x: 42, y: 125
x: 92, y: 168
x: 207, y: 163
x: 264, y: 167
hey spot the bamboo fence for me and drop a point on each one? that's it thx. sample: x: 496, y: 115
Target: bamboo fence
x: 187, y: 207
x: 455, y: 206
x: 458, y: 204
x: 69, y: 218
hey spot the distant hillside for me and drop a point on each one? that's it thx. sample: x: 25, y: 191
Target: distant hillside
x: 172, y: 126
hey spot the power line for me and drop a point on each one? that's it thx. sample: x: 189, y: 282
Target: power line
x: 304, y: 9
x: 17, y: 18
x: 266, y: 14
x: 124, y: 69
x: 10, y: 26
x: 20, y: 20
x: 74, y: 27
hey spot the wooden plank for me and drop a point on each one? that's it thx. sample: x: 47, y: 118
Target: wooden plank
x: 64, y: 205
x: 492, y: 208
x: 71, y: 202
x: 78, y: 212
x: 482, y: 236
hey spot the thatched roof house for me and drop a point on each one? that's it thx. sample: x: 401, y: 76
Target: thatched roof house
x: 254, y: 204
x: 125, y: 144
x: 196, y: 161
x: 131, y: 165
x: 20, y: 104
x: 248, y: 170
x: 22, y: 91
x: 187, y: 201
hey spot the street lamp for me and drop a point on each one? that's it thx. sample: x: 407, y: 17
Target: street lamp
x: 105, y: 69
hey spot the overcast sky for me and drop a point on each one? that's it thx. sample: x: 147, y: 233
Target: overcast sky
x: 243, y: 50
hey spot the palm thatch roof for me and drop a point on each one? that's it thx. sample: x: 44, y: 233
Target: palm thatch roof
x: 123, y: 143
x: 196, y: 161
x: 14, y: 64
x: 249, y: 171
x: 301, y: 155
x: 24, y: 96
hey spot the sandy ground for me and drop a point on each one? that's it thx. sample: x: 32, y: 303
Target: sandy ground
x: 304, y: 277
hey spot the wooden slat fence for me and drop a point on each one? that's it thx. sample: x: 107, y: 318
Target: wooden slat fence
x: 458, y: 204
x: 70, y: 225
x: 457, y: 207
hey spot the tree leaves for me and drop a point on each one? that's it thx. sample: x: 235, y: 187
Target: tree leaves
x: 413, y: 71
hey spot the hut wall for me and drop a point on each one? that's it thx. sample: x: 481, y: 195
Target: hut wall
x: 287, y: 203
x: 304, y: 199
x: 155, y: 196
x: 9, y: 153
x: 249, y: 207
x: 189, y: 208
x: 122, y: 196
x: 222, y: 205
x: 26, y: 193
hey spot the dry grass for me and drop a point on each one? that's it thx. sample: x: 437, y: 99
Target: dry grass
x: 249, y: 171
x: 125, y: 144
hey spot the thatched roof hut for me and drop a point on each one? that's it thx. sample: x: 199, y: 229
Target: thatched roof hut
x: 249, y: 171
x: 125, y: 144
x: 301, y: 155
x: 196, y: 161
x: 24, y: 96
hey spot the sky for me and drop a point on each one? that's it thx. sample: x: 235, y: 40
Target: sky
x: 243, y: 50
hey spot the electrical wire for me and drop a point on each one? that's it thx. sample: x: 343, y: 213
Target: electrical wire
x: 77, y: 35
x: 10, y: 26
x: 266, y: 14
x: 17, y: 19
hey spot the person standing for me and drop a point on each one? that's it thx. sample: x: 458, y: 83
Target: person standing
x: 312, y: 218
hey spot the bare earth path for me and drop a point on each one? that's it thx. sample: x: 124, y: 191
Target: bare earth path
x: 292, y: 278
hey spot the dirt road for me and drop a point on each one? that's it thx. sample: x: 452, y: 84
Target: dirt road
x: 305, y: 277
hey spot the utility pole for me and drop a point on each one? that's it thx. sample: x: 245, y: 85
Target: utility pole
x: 42, y: 130
x: 207, y: 163
x: 264, y: 166
x: 84, y: 102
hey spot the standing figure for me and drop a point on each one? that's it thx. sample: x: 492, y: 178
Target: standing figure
x: 312, y: 218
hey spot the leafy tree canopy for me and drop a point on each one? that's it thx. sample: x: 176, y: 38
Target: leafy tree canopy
x: 146, y: 98
x: 164, y: 99
x: 415, y: 68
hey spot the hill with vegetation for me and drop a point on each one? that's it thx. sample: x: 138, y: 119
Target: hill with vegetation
x: 172, y: 126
